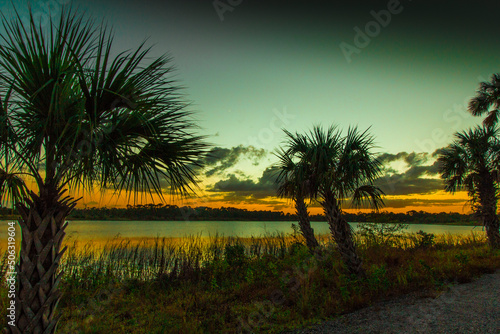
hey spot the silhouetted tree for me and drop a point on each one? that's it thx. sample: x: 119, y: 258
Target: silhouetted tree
x: 487, y: 101
x: 80, y: 118
x: 340, y: 168
x: 472, y: 163
x: 293, y: 179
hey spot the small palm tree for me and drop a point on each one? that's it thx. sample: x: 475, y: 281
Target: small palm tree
x: 293, y: 183
x: 487, y: 101
x: 341, y: 168
x: 472, y: 163
x: 76, y: 117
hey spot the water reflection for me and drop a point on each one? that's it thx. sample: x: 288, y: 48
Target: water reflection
x: 100, y: 232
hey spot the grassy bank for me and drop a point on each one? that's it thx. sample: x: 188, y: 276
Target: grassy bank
x: 267, y: 284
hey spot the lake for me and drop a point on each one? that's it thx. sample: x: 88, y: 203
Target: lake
x: 99, y: 231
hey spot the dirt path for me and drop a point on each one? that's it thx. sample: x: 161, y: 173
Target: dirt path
x: 466, y: 308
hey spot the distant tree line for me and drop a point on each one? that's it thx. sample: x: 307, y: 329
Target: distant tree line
x: 174, y: 212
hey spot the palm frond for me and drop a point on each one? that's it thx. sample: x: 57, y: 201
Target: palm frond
x: 12, y: 188
x: 92, y: 119
x: 323, y: 163
x: 473, y: 154
x: 367, y: 196
x: 487, y: 101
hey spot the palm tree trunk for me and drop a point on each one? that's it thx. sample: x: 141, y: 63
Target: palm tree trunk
x: 42, y: 222
x: 488, y: 211
x: 491, y: 224
x: 343, y: 236
x: 492, y: 231
x: 305, y: 224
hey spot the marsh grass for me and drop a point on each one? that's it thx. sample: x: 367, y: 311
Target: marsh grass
x: 263, y: 284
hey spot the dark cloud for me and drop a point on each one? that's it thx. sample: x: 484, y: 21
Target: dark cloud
x: 247, y: 188
x: 385, y: 158
x: 233, y: 184
x: 217, y: 161
x: 410, y: 158
x: 416, y: 158
x: 403, y: 203
x: 220, y: 159
x: 417, y: 179
x: 398, y: 203
x: 243, y: 190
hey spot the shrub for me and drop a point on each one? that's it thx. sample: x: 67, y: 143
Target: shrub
x: 235, y: 255
x: 425, y: 239
x: 382, y: 233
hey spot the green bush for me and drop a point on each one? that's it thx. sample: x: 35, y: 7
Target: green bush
x: 425, y: 239
x: 381, y: 233
x: 235, y: 255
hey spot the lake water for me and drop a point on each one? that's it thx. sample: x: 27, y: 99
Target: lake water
x: 104, y: 230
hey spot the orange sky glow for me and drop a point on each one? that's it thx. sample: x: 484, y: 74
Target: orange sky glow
x: 434, y: 203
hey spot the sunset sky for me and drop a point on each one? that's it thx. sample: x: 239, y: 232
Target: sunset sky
x: 252, y: 69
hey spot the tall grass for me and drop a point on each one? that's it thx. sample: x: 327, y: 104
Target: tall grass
x: 89, y: 265
x: 196, y: 284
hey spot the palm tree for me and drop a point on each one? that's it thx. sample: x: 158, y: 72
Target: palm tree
x: 341, y: 168
x: 79, y: 118
x: 293, y: 183
x: 472, y: 163
x: 487, y: 101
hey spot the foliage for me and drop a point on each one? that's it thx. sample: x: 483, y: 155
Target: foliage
x: 425, y: 239
x: 120, y: 288
x: 382, y: 233
x: 487, y: 101
x: 335, y: 165
x: 173, y: 212
x: 470, y: 161
x: 235, y: 255
x: 74, y: 114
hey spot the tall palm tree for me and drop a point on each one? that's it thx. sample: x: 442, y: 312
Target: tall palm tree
x: 472, y: 163
x: 487, y: 101
x: 341, y: 168
x: 293, y: 183
x: 79, y: 118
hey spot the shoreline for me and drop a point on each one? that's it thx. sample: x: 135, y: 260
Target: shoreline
x: 246, y: 220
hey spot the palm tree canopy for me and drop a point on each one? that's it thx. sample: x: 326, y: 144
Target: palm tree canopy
x: 77, y: 115
x: 292, y: 178
x: 487, y: 101
x: 472, y: 155
x: 327, y: 162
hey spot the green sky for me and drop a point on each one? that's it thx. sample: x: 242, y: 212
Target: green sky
x: 411, y: 82
x: 427, y: 61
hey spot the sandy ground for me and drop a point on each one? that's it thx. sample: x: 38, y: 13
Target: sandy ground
x: 466, y: 308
